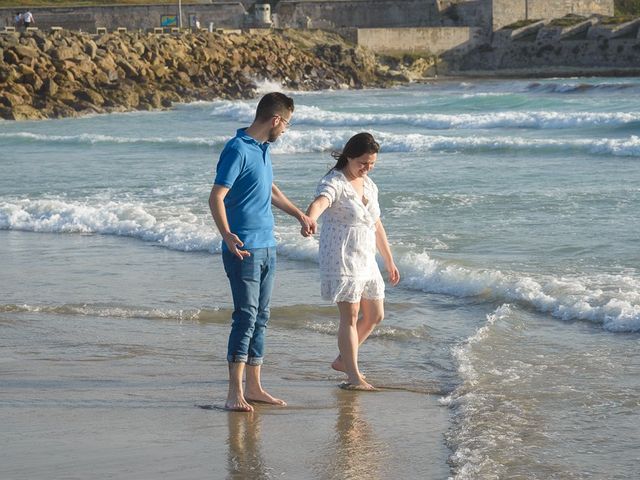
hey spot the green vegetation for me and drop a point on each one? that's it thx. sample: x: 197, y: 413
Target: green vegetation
x: 520, y: 24
x: 567, y: 21
x: 627, y: 7
x: 616, y: 20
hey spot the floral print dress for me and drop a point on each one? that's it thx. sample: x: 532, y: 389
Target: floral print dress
x: 348, y: 267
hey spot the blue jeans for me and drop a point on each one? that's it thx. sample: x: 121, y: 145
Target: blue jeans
x: 251, y: 283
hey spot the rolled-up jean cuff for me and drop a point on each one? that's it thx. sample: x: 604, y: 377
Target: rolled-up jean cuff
x: 255, y: 361
x: 237, y: 358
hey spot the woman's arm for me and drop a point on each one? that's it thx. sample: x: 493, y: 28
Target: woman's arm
x: 383, y: 247
x: 319, y: 205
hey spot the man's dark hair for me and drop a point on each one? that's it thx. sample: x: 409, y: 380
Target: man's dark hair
x: 274, y: 103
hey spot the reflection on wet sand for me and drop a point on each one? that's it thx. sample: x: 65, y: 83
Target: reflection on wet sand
x: 355, y: 452
x: 244, y: 457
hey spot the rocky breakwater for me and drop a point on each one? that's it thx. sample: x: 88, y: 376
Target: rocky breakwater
x: 66, y: 74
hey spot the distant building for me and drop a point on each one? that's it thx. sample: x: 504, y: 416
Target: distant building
x: 490, y: 15
x: 487, y: 15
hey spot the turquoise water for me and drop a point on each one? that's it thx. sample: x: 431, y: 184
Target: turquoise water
x: 511, y: 207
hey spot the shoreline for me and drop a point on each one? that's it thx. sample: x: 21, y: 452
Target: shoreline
x: 562, y: 72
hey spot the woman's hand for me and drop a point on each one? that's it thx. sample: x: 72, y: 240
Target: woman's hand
x: 308, y: 225
x: 394, y: 273
x: 309, y: 220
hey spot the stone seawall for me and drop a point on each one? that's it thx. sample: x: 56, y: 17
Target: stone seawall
x: 69, y: 73
x: 568, y: 46
x: 419, y: 41
x: 509, y: 11
x: 360, y: 14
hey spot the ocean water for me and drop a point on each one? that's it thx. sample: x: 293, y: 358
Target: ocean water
x: 512, y: 211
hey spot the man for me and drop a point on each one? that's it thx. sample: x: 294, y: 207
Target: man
x: 27, y: 19
x: 240, y: 202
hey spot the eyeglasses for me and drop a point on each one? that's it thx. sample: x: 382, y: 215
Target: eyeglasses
x: 286, y: 122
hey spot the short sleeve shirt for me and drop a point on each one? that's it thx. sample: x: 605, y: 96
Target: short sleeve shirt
x: 245, y: 168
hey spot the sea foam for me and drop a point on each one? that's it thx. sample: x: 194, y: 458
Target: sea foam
x: 323, y: 140
x: 328, y: 140
x: 314, y: 116
x: 125, y: 219
x: 481, y: 422
x: 577, y: 88
x: 611, y: 301
x: 95, y: 138
x: 608, y: 300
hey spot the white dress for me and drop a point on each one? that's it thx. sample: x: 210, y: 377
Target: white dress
x: 348, y: 267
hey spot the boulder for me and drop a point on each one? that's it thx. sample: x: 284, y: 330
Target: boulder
x: 91, y: 49
x: 63, y: 53
x: 49, y: 88
x: 26, y: 112
x: 90, y: 96
x: 32, y: 79
x: 61, y: 110
x: 128, y: 69
x: 20, y: 90
x: 8, y: 73
x: 24, y: 51
x: 10, y: 57
x: 160, y: 70
x: 10, y: 99
x: 139, y: 48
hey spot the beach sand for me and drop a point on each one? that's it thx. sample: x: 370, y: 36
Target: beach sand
x: 127, y: 418
x: 100, y: 391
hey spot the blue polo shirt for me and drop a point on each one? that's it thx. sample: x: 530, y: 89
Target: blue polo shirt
x: 245, y: 168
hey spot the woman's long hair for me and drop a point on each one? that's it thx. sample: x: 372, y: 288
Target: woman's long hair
x: 359, y: 144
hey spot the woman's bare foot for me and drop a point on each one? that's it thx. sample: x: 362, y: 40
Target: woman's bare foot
x: 361, y: 386
x: 237, y: 404
x: 262, y: 396
x: 338, y: 365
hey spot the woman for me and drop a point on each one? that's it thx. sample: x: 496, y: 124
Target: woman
x: 351, y: 233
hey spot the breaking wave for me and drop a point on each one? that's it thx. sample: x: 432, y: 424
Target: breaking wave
x: 612, y: 301
x: 556, y: 87
x: 321, y: 140
x: 314, y: 116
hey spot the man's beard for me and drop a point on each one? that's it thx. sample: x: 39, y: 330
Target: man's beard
x: 273, y: 135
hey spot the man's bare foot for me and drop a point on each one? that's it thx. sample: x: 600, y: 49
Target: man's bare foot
x: 338, y: 365
x: 237, y: 404
x: 262, y: 396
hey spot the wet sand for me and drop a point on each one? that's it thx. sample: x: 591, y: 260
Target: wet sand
x: 131, y: 418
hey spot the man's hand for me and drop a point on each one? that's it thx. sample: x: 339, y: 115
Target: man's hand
x: 233, y: 242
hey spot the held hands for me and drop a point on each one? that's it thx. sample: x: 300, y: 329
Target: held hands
x: 308, y: 225
x: 394, y: 274
x: 233, y: 242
